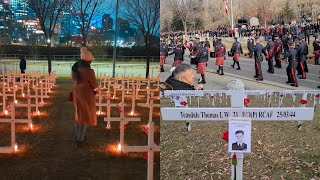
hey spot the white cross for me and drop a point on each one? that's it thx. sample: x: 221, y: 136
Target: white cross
x: 237, y: 110
x: 13, y: 146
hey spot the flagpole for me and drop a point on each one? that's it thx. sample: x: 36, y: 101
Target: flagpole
x: 231, y: 8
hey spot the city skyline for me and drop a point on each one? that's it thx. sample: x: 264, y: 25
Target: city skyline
x: 19, y: 24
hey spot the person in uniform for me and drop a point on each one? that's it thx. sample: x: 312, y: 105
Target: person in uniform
x: 269, y: 49
x: 207, y: 44
x: 301, y: 57
x: 203, y: 60
x: 178, y: 55
x: 220, y: 56
x: 258, y: 58
x: 316, y: 49
x: 236, y: 49
x: 250, y: 44
x: 291, y: 68
x: 163, y: 54
x: 277, y: 51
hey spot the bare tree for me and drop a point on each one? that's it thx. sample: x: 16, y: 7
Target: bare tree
x: 47, y: 12
x: 86, y: 13
x: 145, y: 15
x: 185, y: 9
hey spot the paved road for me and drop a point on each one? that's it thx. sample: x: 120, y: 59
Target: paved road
x: 247, y: 72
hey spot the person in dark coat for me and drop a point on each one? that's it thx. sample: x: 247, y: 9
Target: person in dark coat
x: 163, y: 54
x: 250, y: 44
x: 258, y: 58
x: 316, y: 49
x: 291, y: 68
x: 236, y: 50
x: 277, y: 51
x: 182, y: 78
x: 269, y: 49
x: 203, y: 60
x: 301, y: 53
x: 23, y: 65
x: 220, y: 56
x: 178, y: 55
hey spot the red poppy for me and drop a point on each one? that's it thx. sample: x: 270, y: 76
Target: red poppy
x: 184, y: 103
x: 318, y: 95
x: 246, y: 101
x: 234, y: 156
x: 303, y: 101
x: 212, y: 97
x: 225, y: 136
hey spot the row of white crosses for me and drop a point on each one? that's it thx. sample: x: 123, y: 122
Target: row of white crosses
x: 130, y: 88
x: 39, y: 83
x: 238, y: 109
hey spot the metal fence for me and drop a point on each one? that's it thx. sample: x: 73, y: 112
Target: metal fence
x: 64, y: 67
x: 153, y: 59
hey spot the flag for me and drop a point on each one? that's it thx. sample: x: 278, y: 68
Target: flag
x: 226, y: 8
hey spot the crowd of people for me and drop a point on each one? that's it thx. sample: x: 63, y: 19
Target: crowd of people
x: 281, y: 46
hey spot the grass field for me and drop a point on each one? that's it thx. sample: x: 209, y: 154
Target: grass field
x: 279, y: 149
x: 49, y: 151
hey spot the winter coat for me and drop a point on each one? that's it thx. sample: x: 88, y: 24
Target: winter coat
x: 84, y: 83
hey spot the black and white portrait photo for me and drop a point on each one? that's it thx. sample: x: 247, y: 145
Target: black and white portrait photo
x: 239, y: 135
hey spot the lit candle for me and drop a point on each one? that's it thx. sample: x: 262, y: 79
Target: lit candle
x: 16, y: 148
x: 119, y: 147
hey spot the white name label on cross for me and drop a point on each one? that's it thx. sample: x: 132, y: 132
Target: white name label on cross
x: 237, y: 110
x: 218, y: 114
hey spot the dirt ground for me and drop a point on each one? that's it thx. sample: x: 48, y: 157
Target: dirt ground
x: 279, y: 149
x: 49, y: 151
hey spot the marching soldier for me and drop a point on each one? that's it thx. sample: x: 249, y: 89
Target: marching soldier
x: 220, y: 56
x: 277, y: 51
x: 316, y: 50
x: 291, y: 68
x: 270, y: 50
x: 258, y: 58
x: 203, y: 60
x: 236, y: 49
x: 250, y: 44
x: 163, y: 54
x: 207, y: 44
x: 301, y: 52
x: 178, y: 55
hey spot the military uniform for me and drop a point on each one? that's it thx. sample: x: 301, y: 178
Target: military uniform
x: 270, y: 51
x: 163, y: 55
x: 316, y: 49
x: 291, y: 68
x: 301, y: 53
x: 250, y: 44
x: 203, y: 60
x: 258, y: 58
x: 277, y: 52
x: 220, y: 56
x: 236, y: 49
x: 178, y: 55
